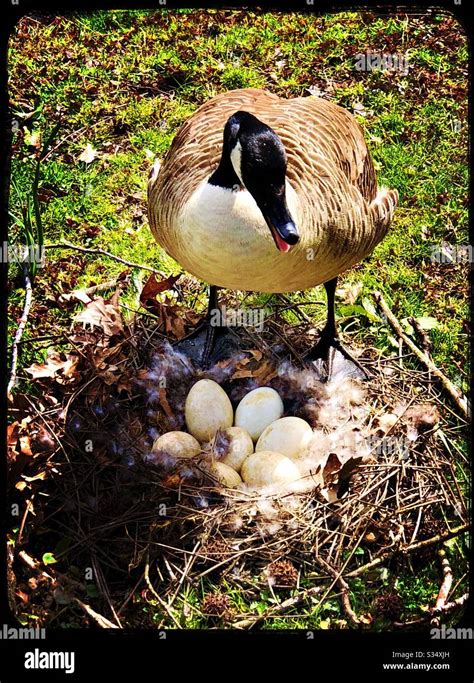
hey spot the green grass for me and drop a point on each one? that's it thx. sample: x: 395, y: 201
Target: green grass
x: 124, y: 82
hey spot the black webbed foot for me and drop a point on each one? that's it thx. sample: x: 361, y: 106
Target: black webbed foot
x: 324, y: 353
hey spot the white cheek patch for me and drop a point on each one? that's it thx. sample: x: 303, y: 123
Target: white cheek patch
x: 236, y: 160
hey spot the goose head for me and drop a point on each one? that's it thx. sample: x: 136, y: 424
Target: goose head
x: 254, y: 159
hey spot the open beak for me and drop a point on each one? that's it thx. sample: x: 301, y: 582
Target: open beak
x: 281, y: 224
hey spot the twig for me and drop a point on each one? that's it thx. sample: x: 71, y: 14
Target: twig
x: 426, y: 344
x: 279, y: 609
x: 103, y: 622
x: 155, y: 594
x: 450, y: 388
x: 20, y: 330
x: 296, y: 306
x: 102, y: 252
x: 28, y: 509
x: 409, y: 549
x: 447, y: 607
x: 189, y: 563
x: 346, y: 603
x: 35, y: 340
x: 88, y: 291
x: 445, y: 586
x: 34, y: 564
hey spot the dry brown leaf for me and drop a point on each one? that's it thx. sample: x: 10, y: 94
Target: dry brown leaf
x: 260, y: 371
x: 25, y: 445
x: 49, y: 369
x: 265, y: 372
x: 175, y: 324
x: 349, y: 466
x: 70, y: 366
x: 53, y: 366
x: 12, y: 433
x: 102, y: 314
x: 332, y: 466
x: 24, y: 597
x: 256, y: 354
x: 163, y: 399
x: 334, y: 473
x: 348, y: 292
x: 152, y: 287
x: 79, y: 294
x: 108, y: 377
x: 124, y: 384
x: 242, y: 374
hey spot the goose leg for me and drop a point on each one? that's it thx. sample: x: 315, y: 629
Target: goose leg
x: 209, y: 338
x: 212, y: 330
x: 329, y: 342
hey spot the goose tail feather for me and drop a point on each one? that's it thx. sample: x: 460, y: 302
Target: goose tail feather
x: 383, y: 206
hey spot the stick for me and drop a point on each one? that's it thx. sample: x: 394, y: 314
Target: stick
x: 278, y: 609
x: 20, y: 330
x: 450, y: 388
x: 346, y: 603
x: 34, y: 564
x: 448, y: 607
x: 101, y: 252
x: 103, y: 622
x: 409, y: 549
x: 445, y: 586
x: 88, y: 291
x: 160, y: 600
x: 426, y: 344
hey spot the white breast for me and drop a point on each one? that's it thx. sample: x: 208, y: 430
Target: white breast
x: 228, y: 243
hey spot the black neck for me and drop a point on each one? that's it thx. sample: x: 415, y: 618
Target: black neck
x: 224, y: 175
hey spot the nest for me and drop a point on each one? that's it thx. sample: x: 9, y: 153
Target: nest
x: 152, y: 528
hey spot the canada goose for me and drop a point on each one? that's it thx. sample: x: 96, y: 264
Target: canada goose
x: 265, y: 194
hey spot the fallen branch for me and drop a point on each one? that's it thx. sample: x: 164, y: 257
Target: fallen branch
x: 426, y: 344
x: 432, y: 611
x: 411, y: 548
x: 449, y: 606
x: 450, y: 388
x: 20, y: 330
x: 102, y: 252
x: 346, y: 603
x: 445, y: 586
x: 160, y: 600
x: 279, y: 609
x: 103, y: 622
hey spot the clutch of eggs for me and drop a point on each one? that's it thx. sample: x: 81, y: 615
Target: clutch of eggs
x: 260, y: 446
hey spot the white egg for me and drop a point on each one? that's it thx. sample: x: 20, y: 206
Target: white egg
x: 177, y: 444
x: 257, y: 410
x: 207, y: 409
x: 290, y: 436
x: 267, y: 467
x: 239, y: 447
x: 225, y: 475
